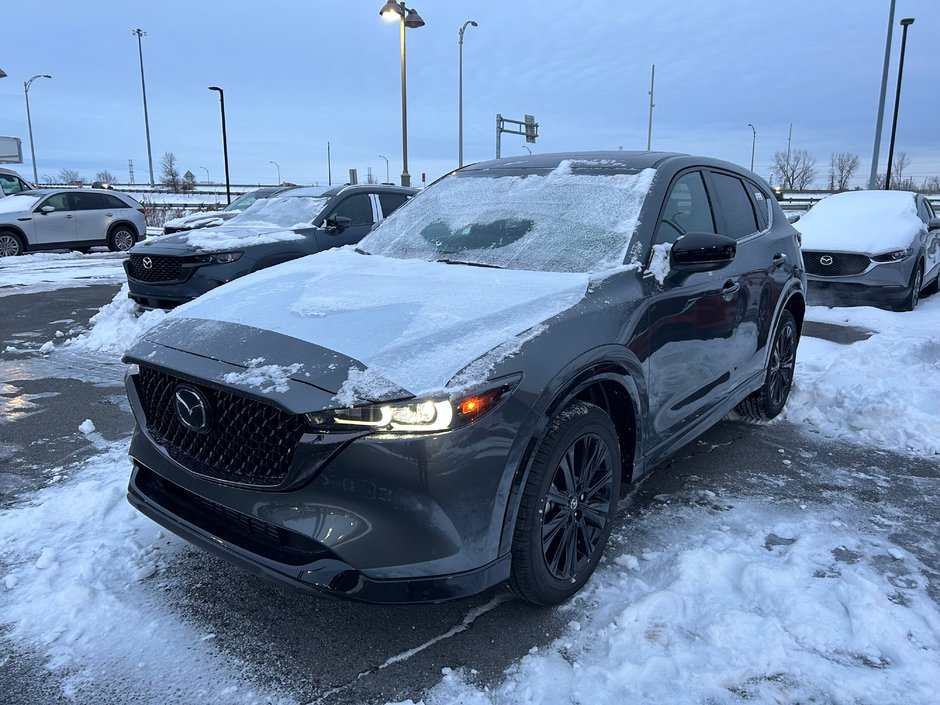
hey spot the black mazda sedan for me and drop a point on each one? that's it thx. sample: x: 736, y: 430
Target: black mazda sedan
x: 454, y: 403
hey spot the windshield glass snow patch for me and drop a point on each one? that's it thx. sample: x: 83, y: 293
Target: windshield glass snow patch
x: 288, y: 212
x: 562, y: 221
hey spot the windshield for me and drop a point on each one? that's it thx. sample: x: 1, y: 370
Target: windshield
x: 281, y: 212
x: 18, y: 202
x: 569, y: 219
x: 242, y: 202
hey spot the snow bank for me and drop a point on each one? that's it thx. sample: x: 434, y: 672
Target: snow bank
x: 884, y: 390
x: 115, y: 327
x: 871, y: 222
x: 45, y: 271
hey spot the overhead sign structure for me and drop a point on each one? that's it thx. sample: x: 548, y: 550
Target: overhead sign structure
x: 529, y: 129
x: 11, y: 150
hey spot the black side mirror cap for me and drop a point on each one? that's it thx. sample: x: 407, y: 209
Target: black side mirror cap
x: 933, y: 224
x: 340, y: 222
x: 701, y: 252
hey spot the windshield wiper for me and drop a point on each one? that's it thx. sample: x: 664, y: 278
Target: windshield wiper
x: 469, y: 264
x: 362, y: 252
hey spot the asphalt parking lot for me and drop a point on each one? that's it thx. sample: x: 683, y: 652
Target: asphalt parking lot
x: 335, y: 652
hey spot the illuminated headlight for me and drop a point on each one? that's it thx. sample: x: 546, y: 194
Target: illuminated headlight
x: 894, y: 256
x: 423, y: 416
x: 220, y: 258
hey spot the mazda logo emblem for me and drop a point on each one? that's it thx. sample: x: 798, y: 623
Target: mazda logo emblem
x: 192, y: 408
x: 148, y: 263
x: 825, y: 260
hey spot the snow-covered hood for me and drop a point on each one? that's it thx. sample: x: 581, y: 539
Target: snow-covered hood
x: 870, y: 222
x: 215, y: 239
x: 411, y: 324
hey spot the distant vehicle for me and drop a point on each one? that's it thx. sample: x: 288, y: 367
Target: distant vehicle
x: 872, y: 247
x: 73, y: 219
x: 11, y: 182
x: 204, y: 219
x: 166, y: 271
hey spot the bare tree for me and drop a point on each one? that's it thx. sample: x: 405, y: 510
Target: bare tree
x: 796, y: 172
x: 842, y: 165
x: 169, y: 172
x: 932, y: 184
x: 69, y: 176
x: 901, y: 162
x: 105, y: 177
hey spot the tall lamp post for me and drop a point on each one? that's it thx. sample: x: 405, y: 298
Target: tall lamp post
x: 753, y: 143
x: 228, y: 183
x: 278, y: 171
x: 143, y: 87
x: 411, y: 19
x: 470, y: 23
x: 207, y: 173
x: 905, y: 23
x: 386, y: 168
x: 873, y: 176
x: 29, y: 122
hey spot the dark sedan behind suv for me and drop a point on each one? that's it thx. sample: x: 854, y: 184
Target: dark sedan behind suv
x: 453, y: 404
x: 167, y: 271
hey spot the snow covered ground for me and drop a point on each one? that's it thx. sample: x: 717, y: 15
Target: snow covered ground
x: 709, y: 592
x: 47, y: 271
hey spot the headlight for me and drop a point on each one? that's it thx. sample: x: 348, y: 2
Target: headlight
x: 219, y: 258
x: 893, y: 256
x: 422, y: 416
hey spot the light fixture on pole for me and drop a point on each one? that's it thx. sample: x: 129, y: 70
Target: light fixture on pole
x: 905, y: 23
x: 3, y: 74
x: 278, y: 171
x: 753, y: 143
x: 471, y: 23
x: 228, y: 184
x: 412, y: 20
x: 386, y: 168
x: 29, y: 122
x: 527, y: 148
x: 143, y: 87
x: 873, y: 176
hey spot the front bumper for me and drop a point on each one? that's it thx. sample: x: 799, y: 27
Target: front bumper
x: 885, y: 283
x: 194, y: 281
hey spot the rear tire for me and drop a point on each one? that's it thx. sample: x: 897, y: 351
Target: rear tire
x: 769, y: 400
x: 567, y: 506
x: 121, y: 238
x: 11, y: 244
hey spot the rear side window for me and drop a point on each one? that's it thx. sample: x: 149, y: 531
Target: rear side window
x: 762, y: 200
x: 358, y: 208
x: 112, y: 201
x: 734, y: 205
x: 391, y: 202
x: 85, y: 202
x: 687, y: 210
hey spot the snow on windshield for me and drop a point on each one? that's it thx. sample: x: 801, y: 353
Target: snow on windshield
x: 286, y: 212
x: 872, y: 222
x: 562, y: 221
x: 18, y: 202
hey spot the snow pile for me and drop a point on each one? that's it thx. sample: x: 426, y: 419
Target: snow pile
x: 872, y: 222
x: 884, y: 390
x: 73, y: 559
x: 45, y: 271
x: 267, y: 378
x: 115, y: 327
x: 87, y: 426
x: 756, y: 603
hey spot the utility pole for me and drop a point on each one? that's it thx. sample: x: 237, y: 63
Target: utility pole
x: 329, y: 166
x: 788, y: 176
x: 906, y: 22
x: 873, y: 176
x: 143, y: 87
x: 649, y: 133
x: 460, y: 95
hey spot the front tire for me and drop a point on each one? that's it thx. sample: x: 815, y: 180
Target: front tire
x: 567, y: 506
x: 769, y: 400
x: 121, y: 238
x: 10, y: 244
x: 913, y: 296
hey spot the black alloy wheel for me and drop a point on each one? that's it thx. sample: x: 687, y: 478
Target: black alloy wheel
x: 769, y: 400
x: 567, y: 506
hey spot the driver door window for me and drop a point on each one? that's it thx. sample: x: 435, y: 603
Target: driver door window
x: 687, y: 210
x: 357, y: 208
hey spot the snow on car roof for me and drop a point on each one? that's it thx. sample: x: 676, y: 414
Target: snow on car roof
x: 871, y: 222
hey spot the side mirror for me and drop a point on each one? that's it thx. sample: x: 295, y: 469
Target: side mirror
x: 46, y: 210
x: 793, y: 217
x: 340, y: 222
x: 933, y: 224
x: 701, y: 252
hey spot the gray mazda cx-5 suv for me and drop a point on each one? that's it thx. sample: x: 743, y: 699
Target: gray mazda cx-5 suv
x: 454, y: 403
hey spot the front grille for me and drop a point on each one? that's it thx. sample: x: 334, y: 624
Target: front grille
x: 162, y: 269
x: 842, y: 265
x: 248, y: 442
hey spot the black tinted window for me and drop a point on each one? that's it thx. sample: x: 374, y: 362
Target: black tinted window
x: 763, y: 204
x: 85, y: 201
x: 357, y: 208
x: 687, y: 210
x: 112, y: 201
x: 735, y: 205
x: 390, y: 202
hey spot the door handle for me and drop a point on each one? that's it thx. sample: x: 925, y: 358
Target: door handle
x: 729, y: 290
x: 780, y: 259
x: 109, y: 215
x: 68, y: 217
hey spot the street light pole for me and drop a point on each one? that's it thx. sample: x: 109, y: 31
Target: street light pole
x: 460, y: 96
x: 411, y: 19
x: 143, y: 87
x: 873, y: 175
x: 228, y: 183
x: 386, y: 168
x: 29, y: 122
x: 649, y: 132
x: 207, y: 173
x: 905, y: 23
x: 278, y: 171
x: 753, y: 143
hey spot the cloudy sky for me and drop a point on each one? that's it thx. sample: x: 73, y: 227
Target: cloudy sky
x: 299, y: 74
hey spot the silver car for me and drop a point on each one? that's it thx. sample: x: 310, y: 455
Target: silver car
x: 73, y: 219
x: 11, y: 182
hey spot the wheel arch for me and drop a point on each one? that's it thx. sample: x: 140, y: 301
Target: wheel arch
x: 18, y: 232
x: 129, y: 223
